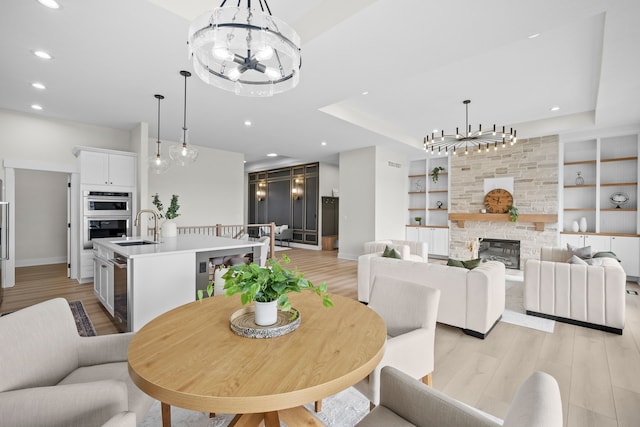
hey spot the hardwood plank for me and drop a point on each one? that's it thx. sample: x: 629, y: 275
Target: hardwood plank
x: 581, y: 417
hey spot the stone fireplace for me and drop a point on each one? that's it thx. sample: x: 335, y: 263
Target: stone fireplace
x: 533, y: 165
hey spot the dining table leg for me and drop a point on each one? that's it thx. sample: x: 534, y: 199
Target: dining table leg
x: 166, y: 414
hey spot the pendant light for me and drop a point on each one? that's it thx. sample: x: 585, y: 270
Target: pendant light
x: 184, y: 153
x: 157, y: 164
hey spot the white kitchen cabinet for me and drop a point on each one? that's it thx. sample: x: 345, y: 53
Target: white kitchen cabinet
x: 437, y: 239
x: 98, y: 168
x: 627, y: 248
x: 103, y: 282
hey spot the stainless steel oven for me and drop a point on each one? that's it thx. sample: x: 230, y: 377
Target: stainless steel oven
x: 106, y: 203
x: 98, y: 227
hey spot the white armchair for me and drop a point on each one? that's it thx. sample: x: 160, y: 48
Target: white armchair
x: 51, y: 376
x: 405, y: 402
x: 409, y: 311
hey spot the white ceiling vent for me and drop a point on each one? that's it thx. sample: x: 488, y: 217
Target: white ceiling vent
x: 394, y: 165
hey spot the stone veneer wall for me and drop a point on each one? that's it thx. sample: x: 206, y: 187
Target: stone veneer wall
x: 533, y: 164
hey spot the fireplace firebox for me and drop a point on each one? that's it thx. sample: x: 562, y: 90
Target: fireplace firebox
x: 504, y: 251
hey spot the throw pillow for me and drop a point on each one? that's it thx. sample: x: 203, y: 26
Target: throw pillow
x: 583, y: 253
x: 606, y: 254
x: 455, y: 263
x: 594, y: 261
x: 472, y: 263
x: 390, y: 253
x: 577, y: 260
x: 469, y: 265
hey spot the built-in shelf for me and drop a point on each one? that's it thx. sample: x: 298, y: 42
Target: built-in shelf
x: 416, y: 209
x: 582, y: 162
x: 619, y: 184
x: 437, y: 191
x: 538, y: 219
x: 617, y: 209
x: 438, y: 209
x: 422, y: 175
x: 417, y: 192
x: 580, y: 209
x: 581, y: 186
x: 618, y: 159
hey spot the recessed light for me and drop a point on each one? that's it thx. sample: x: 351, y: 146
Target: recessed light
x: 272, y: 155
x: 533, y: 36
x: 247, y: 122
x: 42, y: 54
x: 366, y: 92
x: 38, y: 85
x: 323, y: 143
x: 36, y: 107
x: 51, y: 4
x: 555, y: 108
x: 244, y: 161
x: 435, y: 131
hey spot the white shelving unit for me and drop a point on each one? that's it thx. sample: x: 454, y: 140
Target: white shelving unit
x: 608, y: 164
x: 425, y: 197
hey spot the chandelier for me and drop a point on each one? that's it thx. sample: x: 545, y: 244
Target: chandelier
x: 470, y: 140
x: 157, y: 163
x: 183, y: 153
x: 245, y: 50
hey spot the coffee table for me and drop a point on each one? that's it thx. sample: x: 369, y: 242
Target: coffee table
x: 189, y: 357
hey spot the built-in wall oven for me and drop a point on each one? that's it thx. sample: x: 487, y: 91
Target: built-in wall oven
x: 105, y: 214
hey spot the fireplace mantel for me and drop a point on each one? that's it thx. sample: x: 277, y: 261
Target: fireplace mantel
x: 538, y: 219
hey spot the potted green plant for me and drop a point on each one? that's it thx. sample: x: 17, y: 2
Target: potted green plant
x: 513, y: 213
x: 418, y: 220
x: 169, y: 228
x: 268, y: 285
x: 435, y: 173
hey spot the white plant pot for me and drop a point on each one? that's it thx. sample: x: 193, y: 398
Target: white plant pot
x: 583, y: 224
x: 266, y: 313
x: 218, y: 281
x: 169, y: 229
x: 575, y: 227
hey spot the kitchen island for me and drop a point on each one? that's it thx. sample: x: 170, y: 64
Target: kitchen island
x: 137, y: 279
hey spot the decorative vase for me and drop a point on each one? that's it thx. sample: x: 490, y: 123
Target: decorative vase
x: 579, y: 178
x: 218, y: 281
x: 266, y: 313
x: 169, y: 229
x: 583, y: 224
x: 575, y: 227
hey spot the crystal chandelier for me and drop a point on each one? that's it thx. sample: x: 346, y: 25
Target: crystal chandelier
x: 469, y: 141
x: 157, y: 163
x: 184, y: 153
x: 245, y: 50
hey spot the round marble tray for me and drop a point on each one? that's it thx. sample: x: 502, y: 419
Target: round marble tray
x: 242, y: 323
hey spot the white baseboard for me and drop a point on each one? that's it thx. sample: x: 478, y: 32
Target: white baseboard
x: 40, y: 261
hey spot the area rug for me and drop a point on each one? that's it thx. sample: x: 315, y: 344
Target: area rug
x: 344, y: 409
x: 83, y: 323
x: 515, y: 313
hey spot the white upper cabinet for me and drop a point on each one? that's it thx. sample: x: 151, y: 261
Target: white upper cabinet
x: 98, y: 168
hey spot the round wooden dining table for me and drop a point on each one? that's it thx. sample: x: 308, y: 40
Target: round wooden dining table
x: 190, y: 358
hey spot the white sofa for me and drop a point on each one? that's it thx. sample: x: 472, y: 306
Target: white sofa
x: 585, y: 295
x: 470, y: 299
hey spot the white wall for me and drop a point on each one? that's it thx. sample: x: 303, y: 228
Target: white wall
x: 329, y: 179
x: 357, y: 201
x: 372, y: 198
x: 40, y: 217
x: 30, y: 137
x: 211, y: 190
x: 391, y: 187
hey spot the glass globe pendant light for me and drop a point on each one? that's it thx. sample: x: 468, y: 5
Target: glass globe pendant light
x: 158, y: 164
x: 184, y: 153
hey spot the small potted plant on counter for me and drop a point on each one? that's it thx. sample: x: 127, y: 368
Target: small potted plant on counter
x: 268, y: 287
x: 418, y: 220
x: 169, y: 227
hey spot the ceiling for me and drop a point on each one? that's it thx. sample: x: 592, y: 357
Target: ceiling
x: 417, y: 59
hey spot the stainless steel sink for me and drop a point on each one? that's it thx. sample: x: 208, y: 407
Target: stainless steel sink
x: 135, y: 243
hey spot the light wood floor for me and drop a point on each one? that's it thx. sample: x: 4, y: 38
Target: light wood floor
x: 598, y: 372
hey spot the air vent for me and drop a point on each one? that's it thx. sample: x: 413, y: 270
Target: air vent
x: 395, y: 165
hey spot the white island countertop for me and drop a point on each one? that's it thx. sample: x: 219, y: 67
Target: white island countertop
x: 169, y: 245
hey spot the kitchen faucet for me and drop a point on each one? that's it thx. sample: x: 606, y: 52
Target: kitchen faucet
x: 155, y: 221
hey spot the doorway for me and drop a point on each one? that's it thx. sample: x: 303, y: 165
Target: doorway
x: 15, y: 169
